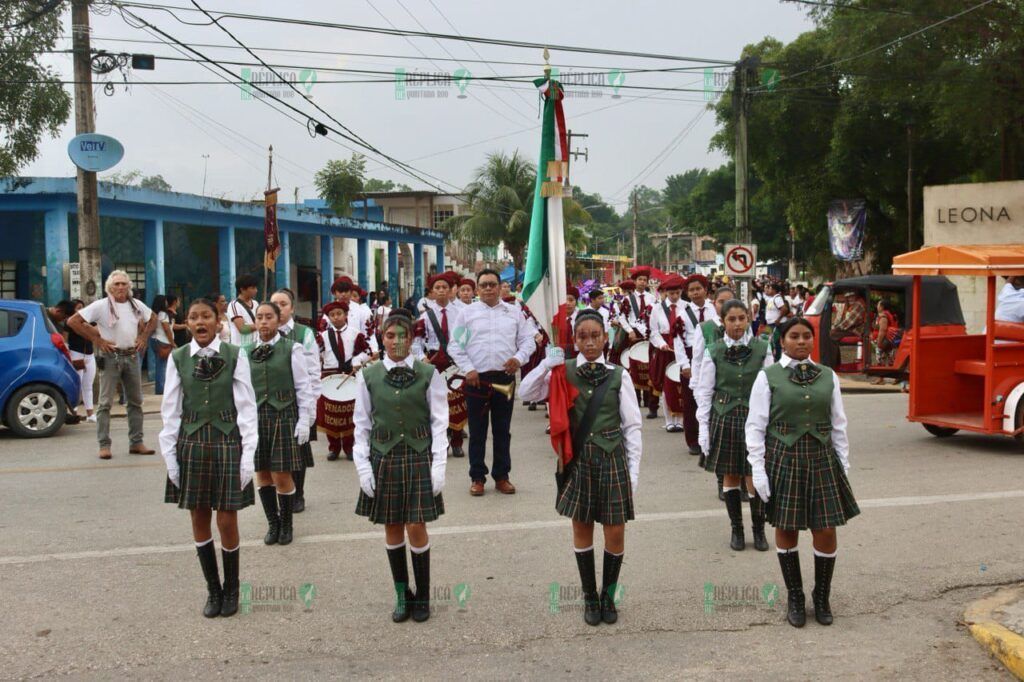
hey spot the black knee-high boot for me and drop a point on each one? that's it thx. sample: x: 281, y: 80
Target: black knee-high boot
x: 268, y: 496
x: 421, y: 572
x: 230, y: 604
x: 757, y: 523
x: 609, y: 586
x: 285, y: 502
x: 796, y: 612
x: 591, y: 601
x: 400, y: 577
x: 823, y: 567
x: 214, y: 593
x: 735, y: 508
x: 299, y: 503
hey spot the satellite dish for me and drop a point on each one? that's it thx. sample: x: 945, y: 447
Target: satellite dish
x: 95, y: 152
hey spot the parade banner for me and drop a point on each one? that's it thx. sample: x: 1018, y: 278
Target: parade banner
x: 271, y: 237
x: 847, y: 219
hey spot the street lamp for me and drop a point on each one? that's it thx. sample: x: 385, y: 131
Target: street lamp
x: 206, y: 159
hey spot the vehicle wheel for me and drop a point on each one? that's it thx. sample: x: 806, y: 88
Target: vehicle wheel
x: 939, y: 431
x: 36, y: 411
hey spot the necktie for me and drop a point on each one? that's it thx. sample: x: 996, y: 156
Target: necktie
x: 642, y: 306
x: 701, y: 318
x: 444, y: 322
x: 283, y: 333
x: 341, y: 347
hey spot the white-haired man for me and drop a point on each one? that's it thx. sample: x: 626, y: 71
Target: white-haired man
x: 119, y: 327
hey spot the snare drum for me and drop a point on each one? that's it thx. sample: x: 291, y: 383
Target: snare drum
x: 640, y: 352
x: 672, y: 372
x: 338, y: 388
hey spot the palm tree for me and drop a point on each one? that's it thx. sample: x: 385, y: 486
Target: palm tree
x: 499, y: 202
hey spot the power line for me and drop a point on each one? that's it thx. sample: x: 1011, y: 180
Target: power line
x: 426, y: 34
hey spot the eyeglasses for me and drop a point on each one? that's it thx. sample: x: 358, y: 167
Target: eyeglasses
x: 486, y: 285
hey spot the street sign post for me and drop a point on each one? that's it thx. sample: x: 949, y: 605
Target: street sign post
x: 740, y: 260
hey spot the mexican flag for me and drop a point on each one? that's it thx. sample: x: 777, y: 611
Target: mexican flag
x: 544, y: 279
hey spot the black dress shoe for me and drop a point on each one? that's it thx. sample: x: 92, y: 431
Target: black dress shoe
x: 332, y: 456
x: 533, y: 407
x: 701, y: 461
x: 653, y: 414
x: 693, y: 449
x: 458, y: 452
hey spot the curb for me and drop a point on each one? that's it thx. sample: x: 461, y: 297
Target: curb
x: 999, y: 641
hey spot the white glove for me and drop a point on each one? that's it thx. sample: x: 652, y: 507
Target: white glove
x: 634, y: 480
x: 437, y: 480
x: 246, y: 471
x: 555, y: 356
x: 367, y: 484
x: 704, y: 440
x: 761, y: 484
x: 174, y: 474
x: 302, y: 432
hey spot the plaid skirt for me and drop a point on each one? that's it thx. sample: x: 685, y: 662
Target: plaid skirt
x: 209, y: 462
x: 808, y: 486
x: 728, y: 449
x: 278, y: 450
x: 404, y: 493
x: 598, y: 487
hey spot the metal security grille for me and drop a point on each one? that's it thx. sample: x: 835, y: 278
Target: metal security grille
x: 8, y: 282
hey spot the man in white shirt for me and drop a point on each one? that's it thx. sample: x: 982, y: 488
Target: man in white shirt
x: 1010, y: 305
x: 123, y: 327
x: 490, y: 342
x: 242, y: 310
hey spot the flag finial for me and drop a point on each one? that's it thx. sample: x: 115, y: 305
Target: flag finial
x: 547, y: 64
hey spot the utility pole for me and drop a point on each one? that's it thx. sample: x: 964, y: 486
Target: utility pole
x: 739, y: 105
x: 575, y: 153
x: 636, y: 218
x: 206, y: 161
x: 88, y: 200
x: 668, y: 243
x: 910, y: 187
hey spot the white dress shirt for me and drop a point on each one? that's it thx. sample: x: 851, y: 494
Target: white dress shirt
x: 628, y: 317
x: 689, y: 327
x: 349, y: 335
x: 311, y: 353
x: 437, y: 395
x: 300, y: 378
x: 486, y: 337
x: 237, y: 309
x: 699, y: 356
x: 660, y: 326
x: 534, y: 388
x: 241, y: 389
x: 760, y: 408
x: 705, y: 389
x: 359, y: 318
x: 421, y: 345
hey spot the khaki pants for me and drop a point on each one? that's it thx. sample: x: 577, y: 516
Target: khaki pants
x: 127, y: 370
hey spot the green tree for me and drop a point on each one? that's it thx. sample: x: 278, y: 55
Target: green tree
x: 135, y: 178
x: 339, y: 183
x: 33, y: 103
x: 377, y: 185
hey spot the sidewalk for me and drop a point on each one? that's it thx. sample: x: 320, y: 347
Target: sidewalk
x: 859, y: 383
x: 997, y: 622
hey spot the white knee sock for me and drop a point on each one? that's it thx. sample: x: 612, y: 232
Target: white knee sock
x: 582, y: 549
x: 398, y: 546
x: 420, y: 550
x: 827, y: 556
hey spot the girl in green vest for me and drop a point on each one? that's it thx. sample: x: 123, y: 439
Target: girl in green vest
x: 727, y: 375
x: 283, y: 397
x: 799, y: 457
x: 710, y: 331
x: 400, y: 451
x: 601, y: 479
x: 284, y: 298
x: 209, y: 443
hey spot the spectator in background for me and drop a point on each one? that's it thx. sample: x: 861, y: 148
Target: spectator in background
x: 59, y: 314
x: 1010, y: 304
x: 851, y: 319
x: 807, y: 296
x: 224, y: 325
x: 84, y: 361
x: 795, y: 301
x: 885, y: 334
x: 162, y: 341
x: 178, y: 326
x: 242, y: 311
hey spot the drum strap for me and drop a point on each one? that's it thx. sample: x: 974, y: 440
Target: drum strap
x: 339, y: 351
x: 693, y: 318
x: 636, y: 307
x: 442, y: 338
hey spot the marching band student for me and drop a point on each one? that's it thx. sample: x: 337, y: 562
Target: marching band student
x: 601, y: 479
x: 799, y: 456
x: 667, y: 339
x: 698, y: 310
x: 727, y: 374
x: 710, y: 331
x: 208, y: 441
x: 284, y: 299
x: 343, y: 349
x: 467, y: 291
x: 634, y: 316
x: 400, y: 455
x: 430, y: 344
x: 563, y: 320
x: 283, y: 399
x: 641, y: 274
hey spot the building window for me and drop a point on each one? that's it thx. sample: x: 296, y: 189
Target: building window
x: 137, y: 273
x: 441, y: 214
x: 8, y: 283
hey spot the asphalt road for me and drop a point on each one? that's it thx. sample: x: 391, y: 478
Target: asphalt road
x: 100, y: 578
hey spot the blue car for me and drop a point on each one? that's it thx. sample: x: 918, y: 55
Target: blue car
x: 38, y: 385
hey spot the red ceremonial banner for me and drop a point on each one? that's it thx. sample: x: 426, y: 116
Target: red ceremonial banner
x: 271, y: 238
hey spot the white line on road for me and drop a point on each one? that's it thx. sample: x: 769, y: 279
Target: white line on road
x: 876, y: 503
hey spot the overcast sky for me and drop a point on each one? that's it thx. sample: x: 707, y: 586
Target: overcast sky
x: 166, y: 129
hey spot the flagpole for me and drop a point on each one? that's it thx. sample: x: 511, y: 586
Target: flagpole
x: 266, y: 270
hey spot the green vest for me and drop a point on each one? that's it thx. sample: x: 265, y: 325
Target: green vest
x: 272, y: 379
x: 732, y: 381
x: 399, y: 415
x: 606, y: 433
x: 712, y: 332
x: 298, y: 333
x: 798, y: 410
x: 207, y: 402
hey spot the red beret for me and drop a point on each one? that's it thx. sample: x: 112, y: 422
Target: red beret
x: 627, y: 285
x: 640, y: 271
x: 336, y: 305
x: 342, y: 284
x: 467, y: 281
x: 672, y: 282
x: 697, y: 278
x: 434, y: 279
x: 572, y: 291
x: 453, y: 278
